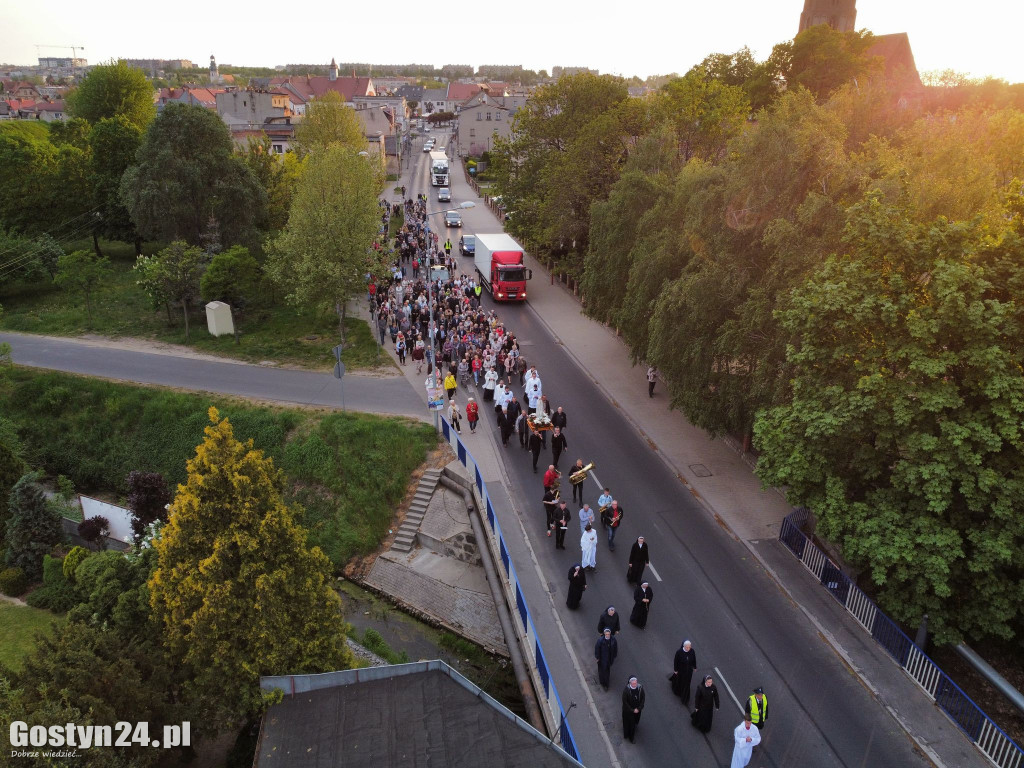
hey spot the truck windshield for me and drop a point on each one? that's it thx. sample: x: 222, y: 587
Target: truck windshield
x: 513, y: 274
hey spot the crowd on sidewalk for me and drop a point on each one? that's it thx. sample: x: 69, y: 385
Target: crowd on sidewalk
x: 436, y: 319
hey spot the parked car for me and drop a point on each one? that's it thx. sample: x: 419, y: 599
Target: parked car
x: 452, y: 219
x: 467, y: 245
x: 444, y: 195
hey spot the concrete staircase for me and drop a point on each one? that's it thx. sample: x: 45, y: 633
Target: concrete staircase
x: 406, y: 537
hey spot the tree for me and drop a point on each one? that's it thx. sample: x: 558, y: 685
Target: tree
x: 706, y: 112
x: 12, y: 468
x: 172, y: 275
x: 232, y: 277
x: 88, y: 676
x: 237, y: 589
x: 277, y: 174
x: 33, y: 527
x: 82, y: 272
x: 95, y: 530
x: 113, y: 90
x: 115, y: 143
x: 821, y: 59
x: 903, y: 427
x: 328, y: 121
x: 148, y: 497
x: 326, y: 250
x: 187, y: 175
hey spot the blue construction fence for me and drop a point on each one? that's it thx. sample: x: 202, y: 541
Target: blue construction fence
x: 547, y: 693
x: 979, y: 727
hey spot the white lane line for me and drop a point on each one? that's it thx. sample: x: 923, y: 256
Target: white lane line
x: 726, y: 683
x: 596, y: 480
x: 650, y: 567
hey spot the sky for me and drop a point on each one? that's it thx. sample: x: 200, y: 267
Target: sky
x: 643, y: 38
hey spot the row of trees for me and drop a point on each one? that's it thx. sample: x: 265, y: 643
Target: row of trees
x: 837, y: 276
x: 182, y: 627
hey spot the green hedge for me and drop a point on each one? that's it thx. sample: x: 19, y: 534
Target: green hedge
x: 348, y: 470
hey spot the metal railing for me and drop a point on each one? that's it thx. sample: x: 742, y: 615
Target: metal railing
x: 544, y: 683
x: 988, y: 737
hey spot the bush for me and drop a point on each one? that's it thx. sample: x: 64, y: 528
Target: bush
x: 57, y: 593
x: 95, y: 530
x: 373, y: 641
x: 73, y: 560
x: 13, y: 582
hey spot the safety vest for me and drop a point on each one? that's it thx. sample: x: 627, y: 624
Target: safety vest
x: 756, y: 715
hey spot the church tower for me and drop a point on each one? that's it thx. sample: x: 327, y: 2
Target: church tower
x: 214, y: 74
x: 841, y: 15
x: 333, y: 72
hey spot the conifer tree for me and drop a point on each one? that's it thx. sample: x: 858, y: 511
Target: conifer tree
x: 239, y: 591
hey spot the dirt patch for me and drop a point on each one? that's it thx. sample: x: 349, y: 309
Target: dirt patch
x: 358, y: 568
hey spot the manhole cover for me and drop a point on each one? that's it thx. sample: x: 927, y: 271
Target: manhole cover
x: 700, y: 470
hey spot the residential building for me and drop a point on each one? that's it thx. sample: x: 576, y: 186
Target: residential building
x: 51, y: 111
x: 482, y: 118
x: 53, y: 62
x: 435, y: 100
x: 557, y: 72
x: 20, y: 90
x: 251, y: 108
x: 459, y: 92
x: 411, y: 93
x: 200, y: 97
x: 396, y: 104
x: 379, y: 126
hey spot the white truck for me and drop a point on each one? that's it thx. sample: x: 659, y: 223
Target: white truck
x: 438, y: 169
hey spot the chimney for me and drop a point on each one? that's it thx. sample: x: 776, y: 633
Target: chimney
x: 334, y: 70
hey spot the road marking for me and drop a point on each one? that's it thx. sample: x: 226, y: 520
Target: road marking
x: 726, y: 683
x: 596, y: 480
x: 650, y: 566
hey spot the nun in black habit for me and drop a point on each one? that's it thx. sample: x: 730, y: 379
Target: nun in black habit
x: 642, y: 597
x: 577, y: 583
x: 639, y: 557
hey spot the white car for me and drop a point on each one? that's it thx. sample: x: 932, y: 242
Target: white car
x: 427, y: 147
x: 444, y: 195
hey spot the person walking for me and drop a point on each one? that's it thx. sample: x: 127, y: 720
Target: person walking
x: 639, y: 557
x: 400, y: 348
x: 535, y: 445
x: 559, y: 418
x: 705, y: 702
x: 450, y: 385
x: 551, y: 477
x: 614, y: 514
x: 756, y: 708
x: 633, y: 698
x: 558, y: 444
x: 586, y: 517
x: 550, y: 510
x: 490, y: 381
x: 563, y: 516
x: 588, y: 544
x: 642, y: 597
x: 577, y: 481
x: 472, y: 414
x: 683, y: 665
x: 652, y: 378
x: 605, y: 651
x: 577, y: 583
x: 745, y: 738
x: 603, y: 502
x: 609, y: 620
x: 453, y: 416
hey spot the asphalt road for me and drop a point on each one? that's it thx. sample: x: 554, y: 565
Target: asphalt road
x: 391, y: 395
x: 707, y: 588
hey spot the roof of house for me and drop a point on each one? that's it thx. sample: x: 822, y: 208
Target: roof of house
x: 462, y: 91
x: 410, y: 92
x: 314, y: 86
x: 419, y: 714
x: 435, y: 94
x: 51, y: 106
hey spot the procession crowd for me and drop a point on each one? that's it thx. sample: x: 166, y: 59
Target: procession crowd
x: 436, y: 319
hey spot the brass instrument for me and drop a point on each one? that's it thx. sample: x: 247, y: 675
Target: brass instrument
x: 580, y: 475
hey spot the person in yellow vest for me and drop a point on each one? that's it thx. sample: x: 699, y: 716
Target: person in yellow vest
x: 756, y: 708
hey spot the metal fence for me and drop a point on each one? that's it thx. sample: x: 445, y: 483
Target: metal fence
x: 979, y: 727
x: 545, y: 684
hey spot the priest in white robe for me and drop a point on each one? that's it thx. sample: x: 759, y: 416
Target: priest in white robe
x: 746, y: 736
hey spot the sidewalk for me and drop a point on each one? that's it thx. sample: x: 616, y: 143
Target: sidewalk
x: 722, y: 480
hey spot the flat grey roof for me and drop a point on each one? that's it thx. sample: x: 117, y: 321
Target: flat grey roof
x: 414, y: 718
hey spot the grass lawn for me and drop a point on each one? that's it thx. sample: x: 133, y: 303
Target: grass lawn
x: 120, y: 308
x: 18, y: 627
x: 347, y: 470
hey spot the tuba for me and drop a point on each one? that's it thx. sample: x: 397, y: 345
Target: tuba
x: 580, y: 475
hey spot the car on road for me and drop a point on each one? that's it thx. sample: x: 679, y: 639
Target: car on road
x: 427, y: 147
x: 452, y: 219
x: 444, y: 195
x: 467, y: 245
